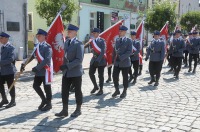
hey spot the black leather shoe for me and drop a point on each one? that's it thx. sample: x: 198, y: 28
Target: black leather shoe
x: 43, y: 103
x: 115, y: 93
x: 99, y: 93
x: 123, y: 95
x: 63, y: 113
x: 130, y: 79
x: 177, y: 77
x: 94, y: 90
x: 11, y: 104
x: 134, y: 81
x: 3, y: 102
x: 190, y: 69
x: 76, y: 113
x: 109, y: 79
x: 47, y: 107
x: 156, y: 84
x: 194, y: 71
x: 170, y: 70
x: 151, y: 81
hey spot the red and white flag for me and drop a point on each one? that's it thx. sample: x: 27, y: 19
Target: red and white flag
x: 139, y: 35
x: 164, y: 31
x: 56, y: 39
x: 110, y: 36
x: 164, y: 34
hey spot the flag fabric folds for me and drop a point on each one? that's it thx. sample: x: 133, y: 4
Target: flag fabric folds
x: 110, y: 36
x: 56, y: 39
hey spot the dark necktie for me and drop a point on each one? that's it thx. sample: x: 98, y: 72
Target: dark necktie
x: 120, y: 40
x: 69, y: 42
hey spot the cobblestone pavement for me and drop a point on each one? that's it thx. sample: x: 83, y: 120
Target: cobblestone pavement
x: 172, y: 106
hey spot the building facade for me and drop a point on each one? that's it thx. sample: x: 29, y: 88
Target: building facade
x: 13, y: 21
x: 35, y: 21
x: 188, y: 5
x: 104, y: 13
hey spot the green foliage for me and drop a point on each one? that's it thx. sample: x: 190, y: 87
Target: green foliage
x: 161, y: 13
x: 48, y: 9
x: 189, y: 20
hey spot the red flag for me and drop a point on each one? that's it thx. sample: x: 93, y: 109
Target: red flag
x: 139, y: 35
x: 56, y: 39
x: 110, y: 36
x: 164, y: 32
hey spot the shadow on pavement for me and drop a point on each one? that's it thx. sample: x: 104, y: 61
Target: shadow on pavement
x: 168, y: 80
x: 24, y: 117
x: 52, y: 126
x: 147, y: 88
x: 146, y: 78
x: 111, y: 102
x: 188, y: 73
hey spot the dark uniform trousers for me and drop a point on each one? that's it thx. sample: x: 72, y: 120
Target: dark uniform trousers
x: 195, y: 57
x: 9, y: 80
x: 169, y: 58
x: 177, y: 62
x: 116, y: 72
x: 38, y: 80
x: 185, y: 57
x: 155, y: 68
x: 135, y: 67
x: 92, y: 71
x: 109, y: 71
x: 66, y: 83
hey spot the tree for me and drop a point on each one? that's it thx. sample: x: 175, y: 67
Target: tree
x: 158, y: 15
x: 48, y: 9
x: 189, y: 20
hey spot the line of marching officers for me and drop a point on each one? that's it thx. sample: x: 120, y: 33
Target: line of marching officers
x: 125, y: 54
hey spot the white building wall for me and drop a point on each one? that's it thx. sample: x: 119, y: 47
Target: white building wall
x: 14, y: 12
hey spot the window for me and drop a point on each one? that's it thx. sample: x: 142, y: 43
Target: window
x: 91, y: 21
x: 30, y: 21
x: 106, y: 2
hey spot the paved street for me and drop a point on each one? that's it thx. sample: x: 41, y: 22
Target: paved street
x: 172, y: 106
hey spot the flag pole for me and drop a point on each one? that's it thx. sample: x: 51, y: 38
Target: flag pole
x: 63, y: 7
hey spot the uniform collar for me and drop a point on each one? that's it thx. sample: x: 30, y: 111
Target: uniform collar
x: 97, y: 38
x: 123, y: 38
x: 74, y: 38
x: 42, y: 42
x: 5, y: 45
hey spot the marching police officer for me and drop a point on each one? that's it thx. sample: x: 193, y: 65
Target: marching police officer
x: 178, y: 45
x: 156, y: 51
x: 186, y: 51
x: 169, y: 53
x: 134, y: 58
x: 72, y: 71
x: 98, y: 61
x: 7, y: 69
x: 121, y: 59
x: 194, y: 46
x: 43, y: 53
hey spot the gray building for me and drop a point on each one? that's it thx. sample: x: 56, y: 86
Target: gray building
x: 13, y: 14
x: 188, y: 5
